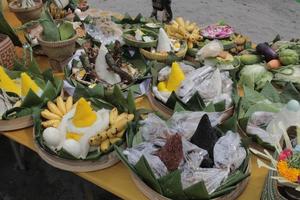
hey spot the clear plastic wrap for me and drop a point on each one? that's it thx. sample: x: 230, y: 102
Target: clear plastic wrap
x: 257, y: 123
x: 185, y: 123
x: 193, y: 155
x: 212, y: 49
x: 212, y: 177
x: 228, y: 152
x: 153, y: 127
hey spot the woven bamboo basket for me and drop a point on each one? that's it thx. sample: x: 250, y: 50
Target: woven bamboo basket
x: 27, y: 14
x: 163, y: 56
x: 105, y: 161
x: 7, y: 52
x: 16, y: 124
x: 151, y: 194
x: 139, y: 44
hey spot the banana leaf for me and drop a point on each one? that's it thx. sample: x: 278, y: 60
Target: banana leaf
x: 127, y: 19
x: 197, y: 191
x: 146, y: 174
x: 6, y: 29
x: 172, y: 187
x: 51, y: 89
x: 66, y: 31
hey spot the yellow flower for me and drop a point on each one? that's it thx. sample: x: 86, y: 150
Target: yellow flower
x: 290, y: 174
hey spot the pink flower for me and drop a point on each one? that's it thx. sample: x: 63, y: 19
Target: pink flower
x: 285, y: 154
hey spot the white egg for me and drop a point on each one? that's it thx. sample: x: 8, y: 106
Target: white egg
x: 72, y: 147
x: 293, y: 105
x: 77, y: 11
x: 52, y: 137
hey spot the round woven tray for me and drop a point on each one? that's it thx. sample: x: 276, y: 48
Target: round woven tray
x: 139, y: 44
x: 7, y: 52
x: 163, y: 56
x: 167, y: 112
x: 16, y: 124
x: 153, y: 195
x: 105, y: 161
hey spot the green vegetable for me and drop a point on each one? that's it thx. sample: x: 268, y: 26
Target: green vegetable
x: 50, y: 30
x: 288, y: 57
x: 249, y: 59
x: 66, y: 31
x: 255, y: 76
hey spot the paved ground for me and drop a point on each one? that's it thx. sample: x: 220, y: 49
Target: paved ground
x: 260, y: 19
x: 40, y: 181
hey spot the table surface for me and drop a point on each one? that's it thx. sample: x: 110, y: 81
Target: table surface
x: 116, y: 179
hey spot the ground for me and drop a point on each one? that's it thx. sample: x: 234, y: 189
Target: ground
x: 261, y: 20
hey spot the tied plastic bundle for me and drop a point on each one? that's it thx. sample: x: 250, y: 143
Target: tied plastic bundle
x: 212, y: 49
x: 228, y: 152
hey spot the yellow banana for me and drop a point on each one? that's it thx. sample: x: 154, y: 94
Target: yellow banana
x: 97, y: 139
x: 113, y: 115
x: 51, y: 123
x: 69, y: 103
x: 121, y: 133
x: 49, y: 115
x: 61, y: 105
x: 105, y: 145
x: 54, y: 109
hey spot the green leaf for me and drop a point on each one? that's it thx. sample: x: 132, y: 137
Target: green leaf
x: 220, y: 106
x: 196, y: 103
x: 178, y: 107
x: 290, y: 92
x: 50, y: 30
x: 145, y: 173
x: 130, y: 102
x: 49, y: 92
x: 66, y: 31
x: 171, y: 186
x: 271, y: 93
x: 137, y: 139
x: 31, y: 100
x: 173, y: 99
x: 229, y: 124
x: 119, y: 152
x: 197, y: 191
x: 210, y: 108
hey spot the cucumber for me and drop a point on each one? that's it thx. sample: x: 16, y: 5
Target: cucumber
x: 250, y: 59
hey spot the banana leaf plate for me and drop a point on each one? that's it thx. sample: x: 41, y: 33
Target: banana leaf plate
x: 130, y: 40
x: 151, y: 194
x: 95, y: 160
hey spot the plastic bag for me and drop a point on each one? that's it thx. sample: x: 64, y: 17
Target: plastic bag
x: 228, y: 152
x: 212, y: 49
x: 153, y: 127
x: 147, y: 150
x: 185, y: 123
x: 212, y: 177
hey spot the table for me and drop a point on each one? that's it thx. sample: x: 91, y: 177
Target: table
x: 116, y: 179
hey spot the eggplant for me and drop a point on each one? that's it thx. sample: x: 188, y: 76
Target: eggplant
x: 265, y: 50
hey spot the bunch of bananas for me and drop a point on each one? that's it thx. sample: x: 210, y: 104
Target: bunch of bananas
x: 184, y: 30
x: 115, y: 131
x: 55, y: 111
x: 240, y: 42
x: 58, y: 13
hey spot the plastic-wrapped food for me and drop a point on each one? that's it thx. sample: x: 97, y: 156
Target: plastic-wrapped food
x: 228, y: 152
x: 212, y: 49
x: 147, y: 150
x: 205, y: 136
x: 153, y: 127
x: 212, y: 177
x: 164, y: 72
x: 187, y: 122
x: 257, y: 123
x: 193, y: 155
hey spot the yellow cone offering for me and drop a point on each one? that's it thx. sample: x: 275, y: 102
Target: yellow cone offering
x: 84, y: 114
x: 27, y: 84
x: 162, y: 86
x: 175, y: 78
x: 7, y: 84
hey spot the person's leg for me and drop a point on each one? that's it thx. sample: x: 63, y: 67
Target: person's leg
x: 154, y: 13
x: 167, y: 7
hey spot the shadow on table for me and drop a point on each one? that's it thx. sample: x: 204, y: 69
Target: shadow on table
x: 41, y: 181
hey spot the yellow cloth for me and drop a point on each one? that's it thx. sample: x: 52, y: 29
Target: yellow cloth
x: 27, y: 84
x: 7, y: 84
